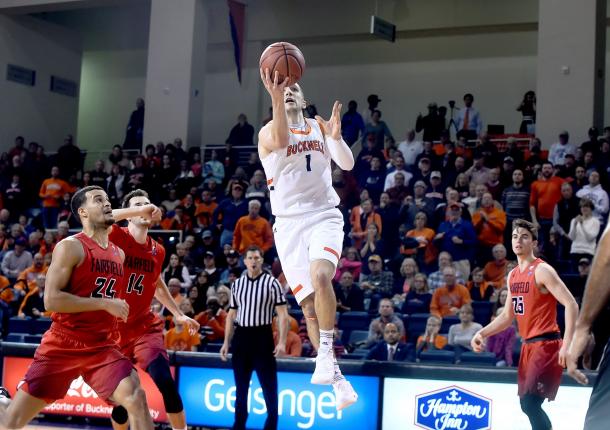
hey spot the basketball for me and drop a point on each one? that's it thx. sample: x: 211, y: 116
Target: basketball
x: 284, y: 58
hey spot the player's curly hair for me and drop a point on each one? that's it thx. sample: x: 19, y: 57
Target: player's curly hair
x: 526, y: 225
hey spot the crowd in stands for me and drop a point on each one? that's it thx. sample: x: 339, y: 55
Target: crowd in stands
x: 427, y: 226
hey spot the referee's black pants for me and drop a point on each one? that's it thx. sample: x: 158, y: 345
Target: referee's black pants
x: 598, y: 415
x: 252, y: 349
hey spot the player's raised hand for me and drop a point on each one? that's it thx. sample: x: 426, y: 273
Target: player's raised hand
x: 274, y: 88
x: 581, y: 341
x: 190, y: 323
x: 332, y: 127
x: 151, y: 212
x: 118, y: 308
x: 478, y: 343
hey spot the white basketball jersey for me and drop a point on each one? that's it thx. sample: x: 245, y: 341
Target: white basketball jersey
x: 299, y: 176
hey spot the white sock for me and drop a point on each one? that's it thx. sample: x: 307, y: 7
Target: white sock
x: 326, y: 341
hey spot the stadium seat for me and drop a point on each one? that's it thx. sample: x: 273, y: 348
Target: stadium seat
x: 481, y: 358
x: 417, y: 325
x: 448, y: 321
x: 358, y: 336
x: 297, y: 314
x: 437, y: 357
x: 20, y: 325
x: 357, y: 354
x: 415, y: 308
x: 32, y: 338
x: 354, y: 321
x: 482, y: 312
x: 15, y: 337
x: 40, y: 325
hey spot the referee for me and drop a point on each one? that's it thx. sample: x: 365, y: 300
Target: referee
x: 254, y: 297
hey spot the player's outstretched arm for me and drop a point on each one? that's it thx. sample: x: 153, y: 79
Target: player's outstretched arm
x: 339, y: 150
x: 66, y: 256
x: 595, y: 299
x: 274, y: 135
x: 165, y: 298
x: 547, y: 276
x: 149, y: 211
x: 500, y: 323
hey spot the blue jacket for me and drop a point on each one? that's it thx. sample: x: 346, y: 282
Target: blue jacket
x: 465, y: 231
x: 231, y: 212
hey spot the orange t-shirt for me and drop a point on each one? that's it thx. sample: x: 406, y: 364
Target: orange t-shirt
x: 204, y: 212
x: 490, y: 232
x: 181, y: 341
x: 535, y: 311
x: 495, y: 273
x: 52, y: 191
x: 440, y: 342
x: 294, y: 345
x: 252, y: 232
x: 443, y: 300
x: 430, y: 252
x: 544, y: 195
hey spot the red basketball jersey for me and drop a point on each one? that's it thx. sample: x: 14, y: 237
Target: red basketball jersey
x: 143, y: 264
x: 99, y: 275
x: 536, y: 312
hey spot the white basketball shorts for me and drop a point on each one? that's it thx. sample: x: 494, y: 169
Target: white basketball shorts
x: 299, y: 240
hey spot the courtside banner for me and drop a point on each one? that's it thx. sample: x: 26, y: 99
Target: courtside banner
x: 209, y: 399
x: 81, y: 400
x: 444, y: 405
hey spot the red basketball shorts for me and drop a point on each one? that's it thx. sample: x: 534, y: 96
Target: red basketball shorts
x: 143, y: 344
x: 539, y: 370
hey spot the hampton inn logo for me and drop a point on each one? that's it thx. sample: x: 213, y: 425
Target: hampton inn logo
x: 452, y: 408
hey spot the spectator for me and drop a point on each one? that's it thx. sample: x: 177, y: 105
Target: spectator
x: 176, y: 270
x: 500, y: 300
x: 441, y: 213
x: 135, y: 127
x: 367, y: 153
x: 180, y: 221
x: 373, y: 101
x: 418, y: 203
x: 258, y: 188
x: 468, y: 122
x: 418, y: 298
x: 32, y: 305
x: 496, y: 270
x: 389, y: 213
x: 224, y: 296
x: 528, y: 111
x: 204, y: 211
x: 69, y: 159
x: 545, y: 193
x: 410, y: 148
x: 378, y: 283
x: 584, y: 230
x: 37, y: 268
x: 379, y: 129
x: 352, y: 124
x: 213, y: 168
x: 51, y: 192
x: 502, y: 344
x: 294, y: 345
x: 15, y: 197
x: 399, y: 190
x: 390, y: 348
x: 398, y: 166
x: 430, y: 340
x: 448, y: 299
x: 594, y: 192
x: 480, y: 290
x: 16, y: 261
x: 515, y: 201
x: 242, y: 133
x: 171, y: 201
x: 386, y: 316
x: 435, y: 191
x: 437, y: 279
x: 229, y: 211
x: 179, y: 339
x: 360, y: 219
x: 461, y: 334
x: 432, y: 124
x: 489, y: 223
x: 426, y: 161
x: 374, y: 179
x: 404, y: 282
x: 373, y: 243
x: 565, y: 210
x: 349, y: 295
x: 252, y: 229
x: 350, y: 262
x: 478, y: 173
x: 560, y: 149
x: 204, y: 288
x: 457, y: 237
x: 115, y: 184
x: 212, y: 320
x: 232, y: 264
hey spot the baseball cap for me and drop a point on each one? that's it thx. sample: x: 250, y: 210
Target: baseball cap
x: 21, y: 241
x: 509, y: 159
x: 584, y: 260
x: 375, y: 257
x: 420, y: 184
x: 233, y: 254
x: 435, y: 174
x: 209, y: 254
x: 373, y: 97
x: 206, y: 233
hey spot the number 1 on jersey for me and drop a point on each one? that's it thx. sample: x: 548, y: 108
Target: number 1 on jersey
x: 308, y: 158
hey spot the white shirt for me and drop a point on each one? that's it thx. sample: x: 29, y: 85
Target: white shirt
x: 599, y: 197
x: 474, y: 119
x: 299, y: 176
x: 410, y: 150
x: 557, y: 153
x: 390, y: 182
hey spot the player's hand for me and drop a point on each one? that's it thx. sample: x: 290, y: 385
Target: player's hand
x: 478, y: 343
x: 224, y: 351
x: 332, y: 127
x: 563, y: 355
x: 273, y: 87
x: 581, y: 340
x: 151, y: 212
x: 118, y: 308
x: 280, y: 350
x: 190, y: 323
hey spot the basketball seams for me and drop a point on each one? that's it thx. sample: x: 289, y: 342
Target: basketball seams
x: 293, y: 65
x: 296, y: 60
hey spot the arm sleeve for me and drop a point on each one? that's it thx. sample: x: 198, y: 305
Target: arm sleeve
x: 340, y: 153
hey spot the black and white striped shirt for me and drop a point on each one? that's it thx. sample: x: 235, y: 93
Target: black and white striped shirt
x: 255, y: 299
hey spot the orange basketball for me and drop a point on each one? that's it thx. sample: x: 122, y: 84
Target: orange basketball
x: 284, y: 58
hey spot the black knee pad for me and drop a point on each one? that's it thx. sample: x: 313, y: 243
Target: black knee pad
x: 159, y: 371
x: 119, y: 415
